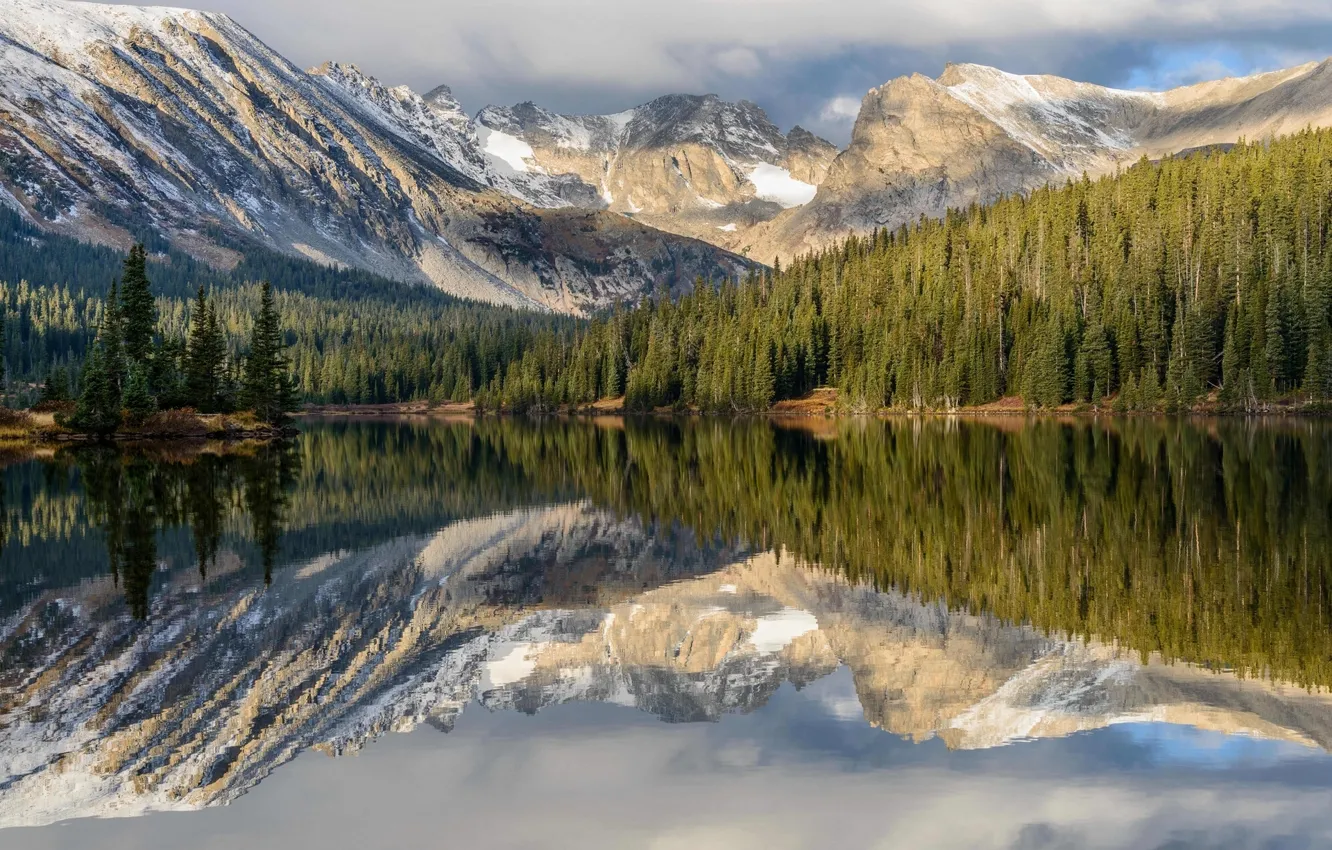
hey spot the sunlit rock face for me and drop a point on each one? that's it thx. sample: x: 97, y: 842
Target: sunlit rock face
x: 114, y: 118
x: 923, y: 146
x: 101, y: 714
x: 688, y: 164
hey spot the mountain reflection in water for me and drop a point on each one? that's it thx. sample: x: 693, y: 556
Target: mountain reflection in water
x: 175, y: 627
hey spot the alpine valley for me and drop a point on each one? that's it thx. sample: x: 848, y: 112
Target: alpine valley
x: 121, y: 120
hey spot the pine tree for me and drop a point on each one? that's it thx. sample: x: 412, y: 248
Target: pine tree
x: 98, y: 410
x: 1318, y: 362
x: 1275, y: 349
x: 205, y: 355
x: 138, y: 309
x: 267, y: 388
x: 112, y: 341
x: 762, y: 387
x: 1230, y: 362
x: 139, y: 402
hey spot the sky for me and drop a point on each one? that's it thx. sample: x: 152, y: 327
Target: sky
x: 807, y: 62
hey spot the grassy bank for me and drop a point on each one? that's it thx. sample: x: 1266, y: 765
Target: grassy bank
x: 42, y: 424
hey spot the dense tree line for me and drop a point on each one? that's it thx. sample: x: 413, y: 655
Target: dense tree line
x: 1198, y: 275
x: 352, y: 337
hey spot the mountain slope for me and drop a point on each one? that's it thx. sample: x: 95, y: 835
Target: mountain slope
x: 117, y: 118
x: 694, y: 165
x: 921, y: 146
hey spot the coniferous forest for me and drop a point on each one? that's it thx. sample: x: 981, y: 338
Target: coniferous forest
x: 1201, y: 277
x: 1156, y: 287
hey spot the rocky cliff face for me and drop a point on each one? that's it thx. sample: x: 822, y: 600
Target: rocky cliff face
x: 921, y: 146
x: 103, y: 715
x: 119, y: 117
x: 694, y: 165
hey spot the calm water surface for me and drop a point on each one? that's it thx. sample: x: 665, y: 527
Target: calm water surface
x: 665, y: 634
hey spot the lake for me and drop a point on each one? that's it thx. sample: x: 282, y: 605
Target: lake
x: 692, y: 633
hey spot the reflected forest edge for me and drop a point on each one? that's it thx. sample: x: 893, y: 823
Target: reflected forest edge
x: 1211, y: 543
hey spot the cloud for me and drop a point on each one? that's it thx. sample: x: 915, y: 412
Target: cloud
x: 740, y: 61
x: 790, y: 56
x: 842, y: 109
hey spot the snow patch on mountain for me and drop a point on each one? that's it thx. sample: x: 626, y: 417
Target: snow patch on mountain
x: 509, y: 663
x: 773, y: 183
x: 507, y: 151
x: 1069, y: 689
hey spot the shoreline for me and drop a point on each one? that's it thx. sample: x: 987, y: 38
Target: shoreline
x: 40, y: 428
x: 820, y: 408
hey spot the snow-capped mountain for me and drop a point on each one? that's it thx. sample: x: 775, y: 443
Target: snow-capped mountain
x: 694, y: 165
x: 116, y: 117
x: 101, y: 715
x: 921, y: 145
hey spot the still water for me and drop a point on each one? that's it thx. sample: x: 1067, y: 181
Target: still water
x: 654, y: 633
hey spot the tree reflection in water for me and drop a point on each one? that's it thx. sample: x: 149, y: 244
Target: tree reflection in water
x: 134, y: 495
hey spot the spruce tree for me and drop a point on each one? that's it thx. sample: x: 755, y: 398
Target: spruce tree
x: 98, y: 410
x: 138, y: 311
x: 267, y: 388
x: 205, y: 354
x: 1318, y: 361
x: 1230, y: 362
x: 112, y: 340
x: 56, y: 388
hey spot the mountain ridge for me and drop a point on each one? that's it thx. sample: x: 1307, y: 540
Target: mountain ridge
x: 695, y: 165
x: 922, y: 145
x: 186, y: 121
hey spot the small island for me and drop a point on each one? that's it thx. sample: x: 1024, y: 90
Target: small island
x: 139, y: 384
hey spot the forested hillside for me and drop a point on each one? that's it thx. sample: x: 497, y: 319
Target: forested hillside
x: 1199, y: 276
x: 354, y: 337
x: 1160, y: 285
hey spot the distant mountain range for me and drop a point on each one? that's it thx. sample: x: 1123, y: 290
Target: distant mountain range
x: 119, y: 118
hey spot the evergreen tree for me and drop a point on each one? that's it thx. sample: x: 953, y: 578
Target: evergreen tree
x: 98, y: 410
x: 139, y: 401
x: 111, y: 338
x: 56, y: 388
x: 1230, y: 360
x: 138, y: 310
x: 267, y: 388
x: 205, y: 358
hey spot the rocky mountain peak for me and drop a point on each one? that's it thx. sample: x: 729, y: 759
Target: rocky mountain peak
x: 922, y: 145
x: 691, y: 164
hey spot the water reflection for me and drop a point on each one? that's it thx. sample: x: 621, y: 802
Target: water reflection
x: 208, y: 618
x: 142, y: 502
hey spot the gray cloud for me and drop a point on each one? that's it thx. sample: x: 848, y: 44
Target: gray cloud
x: 791, y: 56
